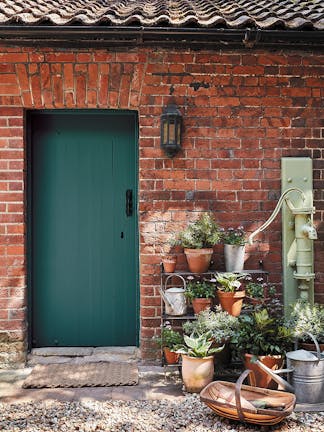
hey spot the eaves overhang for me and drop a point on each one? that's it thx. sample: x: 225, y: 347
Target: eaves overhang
x: 106, y: 36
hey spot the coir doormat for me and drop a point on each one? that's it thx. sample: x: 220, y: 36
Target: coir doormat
x: 100, y: 374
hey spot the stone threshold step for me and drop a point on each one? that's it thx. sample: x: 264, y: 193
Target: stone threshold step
x: 83, y: 351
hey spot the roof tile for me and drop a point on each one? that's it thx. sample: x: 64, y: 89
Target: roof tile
x: 264, y: 14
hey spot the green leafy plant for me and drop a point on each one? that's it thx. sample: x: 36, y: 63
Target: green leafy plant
x: 229, y: 282
x: 198, y: 346
x: 218, y: 326
x: 203, y: 233
x: 261, y: 333
x: 259, y: 289
x: 309, y: 318
x: 169, y: 338
x: 233, y: 236
x: 200, y: 289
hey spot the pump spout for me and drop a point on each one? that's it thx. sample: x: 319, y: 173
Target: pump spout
x: 309, y: 231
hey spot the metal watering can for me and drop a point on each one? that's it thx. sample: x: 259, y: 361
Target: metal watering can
x: 307, y: 379
x: 174, y: 298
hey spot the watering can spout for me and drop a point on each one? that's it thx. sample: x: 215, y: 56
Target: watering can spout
x: 165, y: 299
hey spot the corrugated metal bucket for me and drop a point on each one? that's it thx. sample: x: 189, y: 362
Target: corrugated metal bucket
x: 308, y: 374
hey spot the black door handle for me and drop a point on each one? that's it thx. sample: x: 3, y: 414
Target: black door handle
x: 129, y: 202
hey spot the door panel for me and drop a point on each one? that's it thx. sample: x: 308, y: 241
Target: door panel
x: 83, y: 245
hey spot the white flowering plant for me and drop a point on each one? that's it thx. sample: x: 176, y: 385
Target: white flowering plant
x: 169, y: 338
x: 233, y: 236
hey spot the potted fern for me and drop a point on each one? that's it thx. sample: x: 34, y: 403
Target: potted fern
x: 198, y: 240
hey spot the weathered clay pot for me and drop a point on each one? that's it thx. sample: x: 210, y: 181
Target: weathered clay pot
x: 169, y: 263
x: 170, y: 356
x: 198, y: 259
x: 197, y: 372
x: 200, y: 304
x: 311, y: 346
x: 262, y: 379
x: 231, y: 302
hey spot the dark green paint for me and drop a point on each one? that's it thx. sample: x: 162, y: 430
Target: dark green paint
x: 83, y: 269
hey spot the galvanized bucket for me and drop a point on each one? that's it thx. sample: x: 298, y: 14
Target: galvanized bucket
x: 308, y: 374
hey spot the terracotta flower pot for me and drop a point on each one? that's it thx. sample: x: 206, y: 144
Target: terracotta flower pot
x: 198, y: 259
x: 262, y: 379
x: 200, y: 304
x: 197, y: 372
x: 311, y: 346
x: 169, y: 263
x: 170, y: 356
x: 231, y: 302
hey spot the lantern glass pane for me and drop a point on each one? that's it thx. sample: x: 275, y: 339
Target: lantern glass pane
x: 165, y: 132
x: 172, y: 131
x: 178, y: 133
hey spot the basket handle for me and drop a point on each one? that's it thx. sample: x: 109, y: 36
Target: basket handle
x: 238, y: 387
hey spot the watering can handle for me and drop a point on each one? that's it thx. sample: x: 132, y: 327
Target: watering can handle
x: 318, y: 351
x: 175, y: 275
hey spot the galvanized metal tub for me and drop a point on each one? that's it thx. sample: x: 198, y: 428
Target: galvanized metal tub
x: 308, y: 375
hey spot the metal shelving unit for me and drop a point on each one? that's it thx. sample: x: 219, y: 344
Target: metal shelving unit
x: 177, y: 320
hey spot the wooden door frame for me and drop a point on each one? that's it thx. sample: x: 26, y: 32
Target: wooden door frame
x: 28, y: 197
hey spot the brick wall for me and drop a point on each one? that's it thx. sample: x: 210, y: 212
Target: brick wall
x: 243, y: 110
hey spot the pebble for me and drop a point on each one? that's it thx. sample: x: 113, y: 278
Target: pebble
x: 187, y: 415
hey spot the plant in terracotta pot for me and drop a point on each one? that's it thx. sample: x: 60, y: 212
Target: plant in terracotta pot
x: 229, y: 292
x: 169, y: 262
x: 234, y: 248
x: 220, y: 326
x: 197, y: 361
x: 168, y: 341
x: 200, y: 292
x: 259, y: 291
x: 262, y: 334
x: 198, y: 240
x: 309, y: 318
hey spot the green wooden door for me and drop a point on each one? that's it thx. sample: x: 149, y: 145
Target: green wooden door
x: 83, y: 244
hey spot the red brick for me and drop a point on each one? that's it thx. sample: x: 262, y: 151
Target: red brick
x: 234, y: 134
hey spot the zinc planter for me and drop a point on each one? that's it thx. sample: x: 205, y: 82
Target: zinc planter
x: 234, y: 257
x: 198, y: 259
x: 197, y: 372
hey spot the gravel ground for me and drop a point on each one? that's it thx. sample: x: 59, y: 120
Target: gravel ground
x: 188, y: 415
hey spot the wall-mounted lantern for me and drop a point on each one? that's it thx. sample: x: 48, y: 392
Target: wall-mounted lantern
x: 171, y: 130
